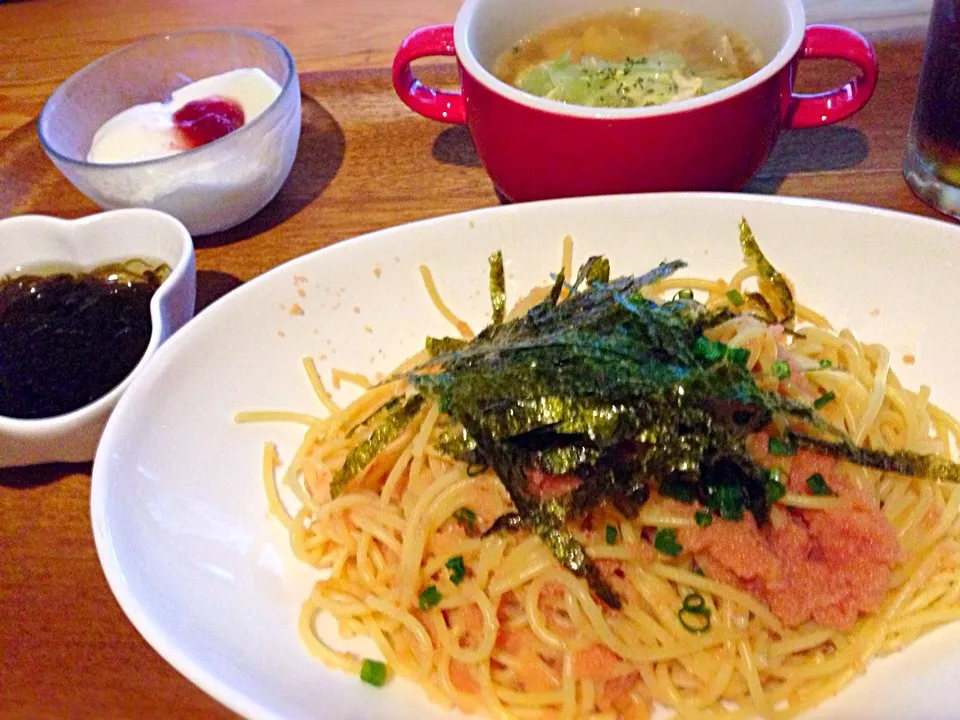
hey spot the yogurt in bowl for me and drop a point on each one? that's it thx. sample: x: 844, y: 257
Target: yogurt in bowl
x: 196, y: 114
x: 32, y: 242
x: 209, y: 187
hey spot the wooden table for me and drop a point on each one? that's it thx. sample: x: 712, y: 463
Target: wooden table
x: 365, y: 162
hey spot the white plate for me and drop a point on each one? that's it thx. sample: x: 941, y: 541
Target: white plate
x: 178, y: 510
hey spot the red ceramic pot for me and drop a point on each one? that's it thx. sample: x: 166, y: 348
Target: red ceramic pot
x: 534, y: 148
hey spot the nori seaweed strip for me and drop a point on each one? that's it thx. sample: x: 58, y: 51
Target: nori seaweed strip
x: 498, y: 288
x: 384, y: 434
x: 595, y: 270
x: 761, y: 308
x: 772, y: 284
x: 388, y: 405
x: 511, y: 522
x: 444, y: 345
x: 557, y: 288
x: 546, y: 519
x: 931, y: 467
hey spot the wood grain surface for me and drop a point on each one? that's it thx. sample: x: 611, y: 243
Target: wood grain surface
x: 364, y: 162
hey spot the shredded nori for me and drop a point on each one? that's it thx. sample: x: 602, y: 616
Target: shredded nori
x: 498, y: 288
x: 620, y: 395
x: 441, y: 346
x: 397, y: 418
x: 775, y: 296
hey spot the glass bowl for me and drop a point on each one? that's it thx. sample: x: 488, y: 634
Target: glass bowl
x: 209, y: 188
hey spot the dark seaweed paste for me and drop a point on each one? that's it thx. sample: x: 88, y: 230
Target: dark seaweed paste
x: 68, y: 337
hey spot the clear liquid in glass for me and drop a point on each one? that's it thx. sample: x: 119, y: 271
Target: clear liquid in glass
x: 932, y: 162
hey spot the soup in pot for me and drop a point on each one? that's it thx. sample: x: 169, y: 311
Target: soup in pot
x: 635, y: 58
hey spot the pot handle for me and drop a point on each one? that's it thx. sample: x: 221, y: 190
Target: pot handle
x: 442, y: 105
x: 830, y: 41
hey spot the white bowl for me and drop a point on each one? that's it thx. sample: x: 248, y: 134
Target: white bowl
x: 209, y: 188
x: 178, y: 507
x: 30, y: 240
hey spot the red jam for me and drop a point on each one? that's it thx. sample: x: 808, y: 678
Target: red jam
x: 207, y: 119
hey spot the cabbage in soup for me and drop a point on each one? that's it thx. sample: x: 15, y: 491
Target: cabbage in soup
x: 635, y: 58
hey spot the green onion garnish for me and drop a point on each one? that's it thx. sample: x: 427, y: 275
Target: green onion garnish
x: 704, y: 518
x: 738, y: 356
x: 773, y: 487
x: 666, y: 542
x: 685, y: 294
x: 780, y: 447
x: 824, y: 399
x: 729, y: 500
x: 694, y: 615
x: 429, y: 597
x: 610, y: 534
x: 708, y: 351
x: 781, y: 368
x: 825, y: 363
x: 466, y: 517
x: 373, y: 672
x: 456, y: 568
x: 818, y: 486
x: 734, y: 296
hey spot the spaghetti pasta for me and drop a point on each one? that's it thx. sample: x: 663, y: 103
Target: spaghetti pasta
x: 787, y: 612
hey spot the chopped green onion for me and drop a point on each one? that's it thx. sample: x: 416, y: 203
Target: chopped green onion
x: 824, y: 399
x: 708, y: 351
x: 456, y: 568
x: 734, y: 296
x: 780, y: 447
x: 428, y: 598
x: 694, y: 615
x: 825, y: 363
x: 773, y: 488
x: 818, y: 486
x: 610, y: 534
x: 666, y: 542
x: 704, y: 518
x: 466, y: 517
x: 781, y: 368
x: 373, y: 672
x: 685, y: 294
x: 738, y: 356
x: 729, y: 500
x: 680, y: 490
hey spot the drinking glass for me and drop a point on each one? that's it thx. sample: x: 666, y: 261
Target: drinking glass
x: 932, y: 162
